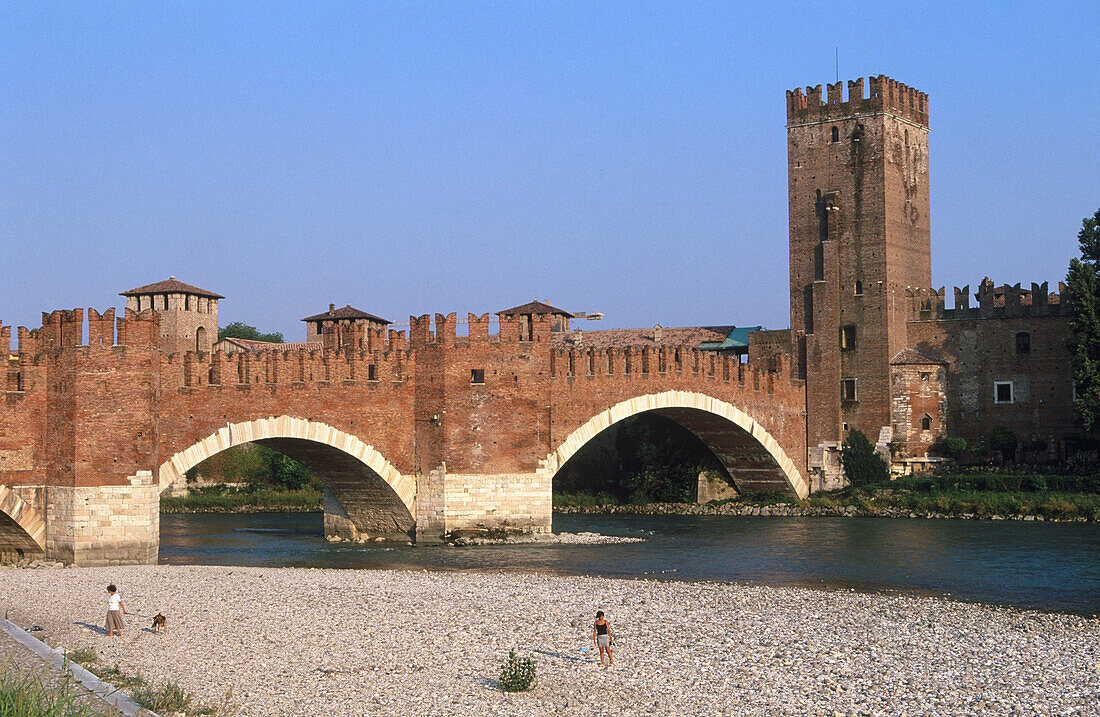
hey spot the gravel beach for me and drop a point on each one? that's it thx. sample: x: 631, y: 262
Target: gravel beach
x: 350, y: 642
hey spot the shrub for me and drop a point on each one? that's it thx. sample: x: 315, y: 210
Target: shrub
x: 1004, y: 440
x: 862, y: 465
x: 953, y: 448
x: 1034, y: 445
x: 517, y: 674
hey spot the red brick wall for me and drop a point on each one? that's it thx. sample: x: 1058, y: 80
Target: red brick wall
x: 94, y: 415
x: 980, y: 346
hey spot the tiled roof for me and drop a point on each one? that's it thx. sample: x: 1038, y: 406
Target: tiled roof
x: 253, y: 345
x: 534, y: 307
x: 345, y: 312
x: 622, y: 338
x: 171, y: 285
x: 913, y: 356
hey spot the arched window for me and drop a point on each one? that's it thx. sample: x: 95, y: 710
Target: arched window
x: 200, y: 339
x: 836, y: 134
x: 859, y: 288
x: 926, y: 423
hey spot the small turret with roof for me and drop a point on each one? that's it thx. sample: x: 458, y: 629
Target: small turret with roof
x: 188, y: 314
x: 316, y: 324
x: 559, y: 318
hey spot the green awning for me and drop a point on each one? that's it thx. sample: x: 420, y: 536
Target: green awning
x: 737, y: 340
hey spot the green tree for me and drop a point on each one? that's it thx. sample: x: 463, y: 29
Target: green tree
x: 1004, y: 440
x: 1083, y: 282
x: 241, y: 330
x: 861, y: 464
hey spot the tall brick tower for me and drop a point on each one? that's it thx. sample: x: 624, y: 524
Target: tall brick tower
x: 859, y: 235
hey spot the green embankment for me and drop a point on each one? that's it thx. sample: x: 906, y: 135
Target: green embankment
x: 263, y: 500
x: 972, y: 494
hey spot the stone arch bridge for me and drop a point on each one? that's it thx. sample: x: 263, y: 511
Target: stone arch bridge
x: 414, y: 435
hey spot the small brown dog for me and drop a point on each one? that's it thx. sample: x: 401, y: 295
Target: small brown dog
x: 160, y: 624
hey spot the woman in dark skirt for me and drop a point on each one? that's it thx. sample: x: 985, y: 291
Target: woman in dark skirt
x: 115, y: 611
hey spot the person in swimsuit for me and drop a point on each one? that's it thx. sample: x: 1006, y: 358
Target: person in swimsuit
x: 115, y: 611
x: 601, y: 635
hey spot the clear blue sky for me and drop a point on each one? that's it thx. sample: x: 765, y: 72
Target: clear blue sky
x: 410, y: 158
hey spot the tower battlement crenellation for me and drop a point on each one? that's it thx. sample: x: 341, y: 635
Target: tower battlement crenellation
x: 884, y: 95
x: 992, y: 301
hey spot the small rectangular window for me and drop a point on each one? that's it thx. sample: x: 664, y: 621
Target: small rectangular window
x: 1002, y: 392
x: 848, y: 336
x: 477, y: 375
x: 1023, y: 342
x: 925, y: 375
x: 847, y: 389
x: 372, y: 372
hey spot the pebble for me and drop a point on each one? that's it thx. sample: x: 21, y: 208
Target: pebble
x: 284, y: 642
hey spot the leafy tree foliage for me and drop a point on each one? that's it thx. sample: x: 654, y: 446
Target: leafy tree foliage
x: 258, y: 466
x: 1004, y: 440
x: 1083, y: 282
x: 241, y: 330
x: 861, y: 464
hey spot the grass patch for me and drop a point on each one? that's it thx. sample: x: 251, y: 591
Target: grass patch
x: 263, y: 500
x: 31, y: 695
x: 116, y: 676
x: 169, y: 697
x: 83, y: 656
x: 166, y: 698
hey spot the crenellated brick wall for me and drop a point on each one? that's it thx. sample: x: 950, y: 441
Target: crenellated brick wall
x: 482, y: 413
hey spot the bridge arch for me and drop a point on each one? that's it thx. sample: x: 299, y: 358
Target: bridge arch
x: 22, y: 528
x: 375, y: 496
x: 751, y: 455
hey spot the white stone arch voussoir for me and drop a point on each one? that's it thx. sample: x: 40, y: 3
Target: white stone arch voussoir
x: 234, y: 434
x: 677, y: 399
x: 26, y: 517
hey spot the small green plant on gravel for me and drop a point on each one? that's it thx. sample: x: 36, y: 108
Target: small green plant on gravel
x: 517, y: 674
x: 116, y: 676
x: 83, y: 655
x: 29, y: 695
x: 169, y: 697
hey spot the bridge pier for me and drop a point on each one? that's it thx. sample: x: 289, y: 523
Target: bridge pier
x: 449, y: 502
x: 104, y: 525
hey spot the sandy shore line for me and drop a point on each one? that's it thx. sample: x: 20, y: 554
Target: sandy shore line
x: 350, y: 642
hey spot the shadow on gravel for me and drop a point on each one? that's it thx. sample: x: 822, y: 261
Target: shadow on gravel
x: 94, y: 628
x: 558, y: 655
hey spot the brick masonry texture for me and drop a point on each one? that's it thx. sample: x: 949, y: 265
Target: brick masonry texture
x: 426, y: 432
x: 415, y: 435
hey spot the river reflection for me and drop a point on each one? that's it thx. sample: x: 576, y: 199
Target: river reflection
x: 1048, y: 566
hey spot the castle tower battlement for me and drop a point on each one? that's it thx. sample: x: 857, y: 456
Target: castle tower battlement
x: 886, y: 95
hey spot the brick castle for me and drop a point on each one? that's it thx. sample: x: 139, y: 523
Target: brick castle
x: 463, y: 424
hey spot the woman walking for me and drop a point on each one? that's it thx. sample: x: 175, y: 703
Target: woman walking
x: 601, y: 635
x: 115, y: 611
